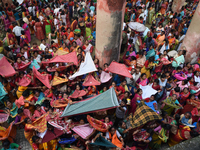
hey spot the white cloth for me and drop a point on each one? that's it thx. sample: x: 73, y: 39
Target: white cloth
x: 56, y: 11
x: 197, y: 79
x: 17, y: 30
x: 105, y: 77
x: 163, y: 48
x: 91, y: 13
x: 86, y: 67
x: 88, y: 48
x: 147, y: 91
x: 42, y: 46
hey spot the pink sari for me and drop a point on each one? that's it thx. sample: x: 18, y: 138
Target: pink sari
x: 27, y: 31
x: 134, y: 103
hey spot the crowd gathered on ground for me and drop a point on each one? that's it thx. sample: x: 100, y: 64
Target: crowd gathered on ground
x: 47, y: 86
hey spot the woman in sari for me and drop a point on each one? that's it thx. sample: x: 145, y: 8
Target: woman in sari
x: 53, y: 36
x: 151, y: 52
x: 23, y: 39
x: 87, y: 47
x: 151, y: 13
x: 38, y: 29
x: 149, y: 64
x: 10, y: 37
x: 141, y: 59
x: 160, y: 38
x: 178, y: 59
x: 32, y: 24
x: 115, y: 137
x: 11, y: 109
x: 93, y: 91
x: 88, y: 30
x: 26, y: 30
x: 161, y: 135
x: 6, y: 21
x: 143, y: 80
x: 47, y: 24
x: 184, y: 96
x: 11, y: 15
x: 137, y: 97
x: 170, y: 104
x: 181, y: 134
x: 28, y: 132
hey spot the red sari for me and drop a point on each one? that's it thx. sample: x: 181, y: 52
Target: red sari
x: 134, y: 103
x: 39, y: 31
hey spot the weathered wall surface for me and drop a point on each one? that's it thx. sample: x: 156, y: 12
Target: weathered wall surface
x: 192, y: 144
x: 192, y: 38
x: 110, y: 18
x: 177, y: 5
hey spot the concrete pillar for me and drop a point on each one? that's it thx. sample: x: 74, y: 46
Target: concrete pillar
x: 109, y: 24
x: 177, y: 5
x: 191, y: 41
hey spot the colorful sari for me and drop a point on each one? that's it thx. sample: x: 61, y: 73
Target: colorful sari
x: 27, y: 31
x: 180, y: 60
x: 40, y: 124
x: 170, y: 106
x: 179, y: 136
x: 47, y: 24
x: 133, y: 104
x: 23, y: 40
x: 88, y: 32
x: 6, y: 22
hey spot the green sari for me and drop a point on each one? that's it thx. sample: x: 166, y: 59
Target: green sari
x: 47, y: 27
x: 88, y: 33
x: 151, y: 13
x: 169, y: 108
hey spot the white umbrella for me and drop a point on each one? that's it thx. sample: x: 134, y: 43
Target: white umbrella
x: 137, y: 26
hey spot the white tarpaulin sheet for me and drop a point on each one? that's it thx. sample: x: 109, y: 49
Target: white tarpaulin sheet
x: 86, y: 67
x: 147, y: 91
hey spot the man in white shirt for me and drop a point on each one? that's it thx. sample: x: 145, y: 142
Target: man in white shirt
x: 91, y: 13
x: 17, y: 30
x: 130, y: 81
x: 56, y: 10
x: 136, y: 75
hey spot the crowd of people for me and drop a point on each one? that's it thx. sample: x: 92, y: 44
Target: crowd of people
x: 39, y: 81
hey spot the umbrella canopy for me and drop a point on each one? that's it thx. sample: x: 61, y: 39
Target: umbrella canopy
x: 142, y: 115
x: 120, y: 69
x: 104, y: 101
x: 137, y: 26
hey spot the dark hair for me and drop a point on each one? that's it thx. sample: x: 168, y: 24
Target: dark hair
x: 143, y: 74
x: 194, y: 133
x: 20, y: 110
x: 120, y: 123
x: 26, y: 93
x: 26, y: 120
x: 124, y: 100
x: 50, y: 126
x: 34, y: 138
x: 163, y: 76
x: 157, y: 81
x: 177, y: 89
x: 6, y: 143
x: 150, y: 131
x: 138, y: 90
